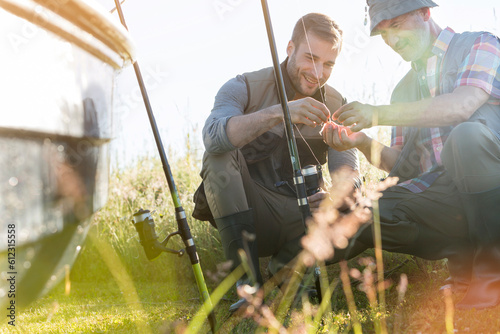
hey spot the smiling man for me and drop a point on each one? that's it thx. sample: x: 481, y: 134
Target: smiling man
x: 445, y: 147
x: 247, y: 172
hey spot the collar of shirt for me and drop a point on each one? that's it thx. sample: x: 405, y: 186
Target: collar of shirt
x: 440, y: 45
x: 290, y: 91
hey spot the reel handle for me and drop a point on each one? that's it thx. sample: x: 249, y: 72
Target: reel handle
x: 145, y: 227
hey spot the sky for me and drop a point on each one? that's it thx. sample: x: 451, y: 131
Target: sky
x: 187, y: 50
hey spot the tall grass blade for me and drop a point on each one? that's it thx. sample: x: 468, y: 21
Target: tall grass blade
x: 296, y: 275
x: 380, y: 266
x: 215, y: 297
x: 324, y: 307
x: 449, y: 313
x: 346, y: 284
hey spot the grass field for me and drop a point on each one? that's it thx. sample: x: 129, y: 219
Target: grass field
x: 115, y: 289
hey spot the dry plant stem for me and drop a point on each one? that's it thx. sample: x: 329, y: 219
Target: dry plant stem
x: 67, y: 281
x: 402, y: 286
x: 346, y: 284
x: 274, y: 325
x: 380, y: 265
x: 246, y: 266
x: 376, y: 152
x: 269, y: 286
x: 369, y: 288
x: 449, y: 310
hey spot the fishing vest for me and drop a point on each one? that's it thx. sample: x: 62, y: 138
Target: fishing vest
x: 408, y: 90
x: 267, y: 156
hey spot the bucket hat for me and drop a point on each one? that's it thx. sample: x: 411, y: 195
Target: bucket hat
x: 381, y: 10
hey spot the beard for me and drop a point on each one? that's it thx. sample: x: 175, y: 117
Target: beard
x: 296, y: 77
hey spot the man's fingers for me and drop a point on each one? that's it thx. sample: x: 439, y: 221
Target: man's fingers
x: 335, y: 137
x: 349, y: 121
x: 327, y: 133
x: 346, y: 115
x: 322, y: 109
x: 316, y: 117
x: 308, y: 122
x: 344, y: 136
x: 309, y: 112
x: 337, y: 115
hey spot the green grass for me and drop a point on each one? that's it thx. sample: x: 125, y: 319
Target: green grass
x: 102, y: 308
x: 115, y: 289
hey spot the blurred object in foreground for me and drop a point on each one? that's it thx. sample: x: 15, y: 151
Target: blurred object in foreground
x: 332, y: 228
x: 58, y: 64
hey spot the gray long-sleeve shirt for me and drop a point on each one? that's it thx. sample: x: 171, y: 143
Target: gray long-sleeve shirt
x: 232, y: 100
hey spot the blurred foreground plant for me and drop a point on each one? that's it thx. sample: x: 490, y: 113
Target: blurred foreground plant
x: 328, y: 229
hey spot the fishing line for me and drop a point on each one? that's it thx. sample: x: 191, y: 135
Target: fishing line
x: 310, y: 51
x: 322, y: 94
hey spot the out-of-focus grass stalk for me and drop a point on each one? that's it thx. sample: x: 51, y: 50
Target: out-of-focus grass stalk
x: 324, y: 307
x: 122, y: 278
x: 380, y: 265
x: 246, y: 266
x: 67, y: 281
x: 326, y: 293
x: 402, y: 286
x: 215, y: 297
x: 307, y: 311
x: 449, y: 310
x: 346, y: 284
x: 376, y: 155
x: 295, y: 277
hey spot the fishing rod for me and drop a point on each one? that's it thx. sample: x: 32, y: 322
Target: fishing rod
x: 143, y: 222
x: 298, y: 178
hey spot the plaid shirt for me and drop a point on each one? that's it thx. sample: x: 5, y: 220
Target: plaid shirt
x: 481, y: 68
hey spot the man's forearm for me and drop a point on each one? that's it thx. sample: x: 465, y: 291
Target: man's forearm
x: 243, y: 129
x: 442, y: 110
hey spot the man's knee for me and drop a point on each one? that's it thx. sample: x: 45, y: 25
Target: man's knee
x: 464, y: 141
x: 229, y: 162
x: 397, y: 227
x: 220, y: 169
x: 471, y: 157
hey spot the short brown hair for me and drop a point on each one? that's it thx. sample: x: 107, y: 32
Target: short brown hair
x: 320, y: 25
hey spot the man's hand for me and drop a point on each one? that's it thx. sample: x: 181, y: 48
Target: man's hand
x: 357, y: 115
x: 316, y: 199
x: 308, y: 111
x: 342, y: 138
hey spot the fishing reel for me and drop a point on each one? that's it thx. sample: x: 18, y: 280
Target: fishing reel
x: 145, y: 227
x: 313, y: 177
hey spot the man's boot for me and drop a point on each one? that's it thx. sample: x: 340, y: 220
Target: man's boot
x: 231, y: 230
x: 483, y: 215
x: 460, y: 268
x: 484, y: 289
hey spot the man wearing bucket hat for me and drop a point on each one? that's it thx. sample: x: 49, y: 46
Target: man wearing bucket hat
x: 445, y: 147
